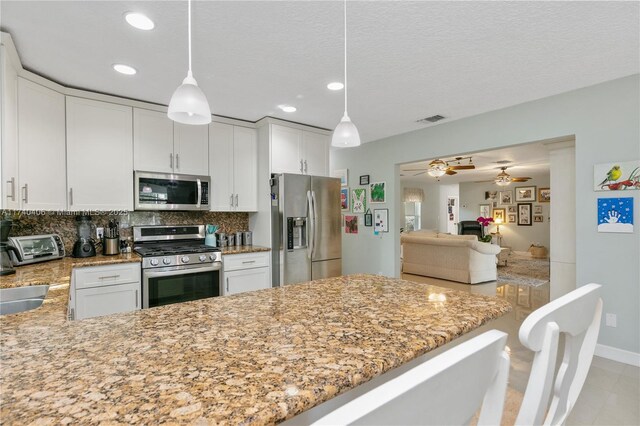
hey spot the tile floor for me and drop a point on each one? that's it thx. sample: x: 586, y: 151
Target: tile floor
x: 611, y: 394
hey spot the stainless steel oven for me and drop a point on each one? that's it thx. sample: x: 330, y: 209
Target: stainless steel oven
x: 164, y: 286
x: 160, y: 191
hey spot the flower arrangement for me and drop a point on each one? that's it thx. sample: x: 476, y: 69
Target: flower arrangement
x: 485, y: 221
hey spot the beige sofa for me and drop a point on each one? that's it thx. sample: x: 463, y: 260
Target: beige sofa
x: 459, y: 258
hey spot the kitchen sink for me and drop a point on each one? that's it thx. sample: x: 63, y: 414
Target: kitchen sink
x: 20, y: 299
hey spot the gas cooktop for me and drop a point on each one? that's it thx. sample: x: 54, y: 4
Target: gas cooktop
x: 164, y: 249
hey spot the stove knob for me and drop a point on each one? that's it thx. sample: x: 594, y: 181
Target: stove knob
x: 184, y: 259
x: 166, y: 261
x: 212, y: 256
x: 202, y: 258
x: 154, y: 262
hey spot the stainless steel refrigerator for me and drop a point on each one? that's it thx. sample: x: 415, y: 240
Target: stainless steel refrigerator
x: 305, y: 228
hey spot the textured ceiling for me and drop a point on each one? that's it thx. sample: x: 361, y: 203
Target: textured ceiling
x: 408, y: 60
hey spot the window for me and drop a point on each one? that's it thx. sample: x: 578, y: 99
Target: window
x: 412, y: 216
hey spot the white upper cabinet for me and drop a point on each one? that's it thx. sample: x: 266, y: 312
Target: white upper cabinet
x: 99, y: 155
x: 299, y: 151
x: 191, y: 148
x: 233, y: 163
x: 160, y: 145
x: 9, y: 131
x: 152, y: 141
x: 315, y: 153
x: 41, y: 147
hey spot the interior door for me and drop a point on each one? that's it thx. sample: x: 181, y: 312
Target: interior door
x: 327, y: 239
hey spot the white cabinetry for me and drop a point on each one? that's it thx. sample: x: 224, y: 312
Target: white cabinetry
x: 160, y: 145
x: 245, y: 272
x: 299, y: 151
x: 99, y: 155
x: 233, y: 162
x: 105, y: 290
x: 9, y: 130
x: 41, y: 147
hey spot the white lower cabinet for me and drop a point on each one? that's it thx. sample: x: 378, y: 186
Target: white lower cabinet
x: 105, y: 290
x: 245, y: 272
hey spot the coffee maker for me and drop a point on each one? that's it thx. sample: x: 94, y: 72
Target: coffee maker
x: 6, y: 266
x: 84, y: 245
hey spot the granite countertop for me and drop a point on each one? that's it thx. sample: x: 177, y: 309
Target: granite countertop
x: 252, y: 358
x: 243, y: 249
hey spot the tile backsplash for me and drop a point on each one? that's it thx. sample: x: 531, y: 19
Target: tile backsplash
x: 64, y: 224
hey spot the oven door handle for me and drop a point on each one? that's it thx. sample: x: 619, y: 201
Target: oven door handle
x: 199, y: 183
x: 153, y: 274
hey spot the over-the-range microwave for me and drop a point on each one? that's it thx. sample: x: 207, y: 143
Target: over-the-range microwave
x: 164, y: 191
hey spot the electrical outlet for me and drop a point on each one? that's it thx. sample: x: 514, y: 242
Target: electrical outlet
x: 99, y: 232
x: 611, y: 320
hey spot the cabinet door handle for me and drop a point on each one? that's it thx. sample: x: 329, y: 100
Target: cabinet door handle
x: 231, y: 200
x: 70, y: 196
x: 248, y: 261
x: 12, y: 182
x: 136, y: 298
x: 25, y: 193
x: 178, y: 161
x: 305, y: 166
x: 109, y: 276
x: 236, y: 200
x: 171, y: 160
x: 301, y: 165
x: 227, y: 285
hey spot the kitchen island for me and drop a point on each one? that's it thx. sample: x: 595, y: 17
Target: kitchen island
x: 252, y: 358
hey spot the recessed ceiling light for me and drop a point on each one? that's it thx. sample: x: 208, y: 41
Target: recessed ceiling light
x: 139, y: 21
x: 124, y: 69
x: 287, y: 108
x: 336, y: 85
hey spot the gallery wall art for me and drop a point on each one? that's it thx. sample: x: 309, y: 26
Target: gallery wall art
x: 525, y: 193
x: 344, y: 198
x: 506, y: 197
x: 343, y: 174
x: 615, y: 215
x: 544, y: 195
x: 485, y: 210
x: 381, y: 220
x: 616, y: 176
x: 358, y: 200
x: 378, y: 192
x: 524, y: 214
x: 351, y: 224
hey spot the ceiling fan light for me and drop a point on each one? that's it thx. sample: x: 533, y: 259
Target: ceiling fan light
x: 188, y: 104
x: 436, y: 172
x: 346, y: 134
x: 437, y: 168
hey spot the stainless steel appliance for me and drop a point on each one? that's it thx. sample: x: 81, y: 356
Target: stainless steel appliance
x: 176, y: 265
x: 159, y: 191
x: 35, y: 248
x: 305, y: 228
x: 84, y: 245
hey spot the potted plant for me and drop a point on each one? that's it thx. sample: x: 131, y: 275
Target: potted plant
x: 484, y: 222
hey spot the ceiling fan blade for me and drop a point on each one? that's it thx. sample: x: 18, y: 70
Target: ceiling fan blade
x: 418, y: 174
x: 463, y: 167
x: 482, y: 181
x: 414, y: 170
x: 451, y: 172
x: 520, y: 179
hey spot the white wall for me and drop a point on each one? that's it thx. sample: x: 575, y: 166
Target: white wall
x: 605, y: 120
x: 514, y: 236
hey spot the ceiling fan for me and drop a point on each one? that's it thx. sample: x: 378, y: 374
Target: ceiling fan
x: 504, y: 178
x: 437, y: 167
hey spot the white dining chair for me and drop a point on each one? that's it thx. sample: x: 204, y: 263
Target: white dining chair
x: 444, y: 390
x: 577, y: 316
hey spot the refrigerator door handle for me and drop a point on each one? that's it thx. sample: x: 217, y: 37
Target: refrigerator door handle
x: 311, y: 225
x: 315, y: 218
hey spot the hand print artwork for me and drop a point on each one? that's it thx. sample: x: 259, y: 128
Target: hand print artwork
x: 359, y: 200
x: 615, y: 215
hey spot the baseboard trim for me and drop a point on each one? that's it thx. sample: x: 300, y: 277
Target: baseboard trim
x: 620, y: 355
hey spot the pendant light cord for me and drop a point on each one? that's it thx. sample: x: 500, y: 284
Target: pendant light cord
x: 189, y: 8
x: 345, y: 57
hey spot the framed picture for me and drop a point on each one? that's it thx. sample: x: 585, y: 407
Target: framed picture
x: 368, y: 218
x: 343, y: 174
x: 485, y: 210
x: 344, y: 198
x: 351, y: 224
x: 378, y: 192
x: 537, y: 209
x: 618, y: 176
x: 615, y: 214
x: 494, y: 204
x: 364, y: 180
x: 538, y: 218
x: 524, y: 214
x: 526, y: 193
x: 512, y: 217
x: 505, y: 197
x: 499, y: 214
x: 358, y: 200
x: 512, y: 210
x: 544, y: 195
x: 381, y: 220
x: 490, y: 195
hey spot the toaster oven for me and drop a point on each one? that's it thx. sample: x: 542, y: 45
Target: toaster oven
x: 36, y: 248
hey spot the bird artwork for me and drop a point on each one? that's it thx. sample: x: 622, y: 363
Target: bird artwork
x: 617, y: 176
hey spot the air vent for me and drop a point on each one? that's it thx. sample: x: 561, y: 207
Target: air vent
x: 432, y: 119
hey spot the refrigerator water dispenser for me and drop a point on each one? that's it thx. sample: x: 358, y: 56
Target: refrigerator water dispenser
x: 296, y: 233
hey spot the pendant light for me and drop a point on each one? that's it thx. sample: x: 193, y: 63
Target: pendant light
x: 188, y: 104
x: 346, y: 134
